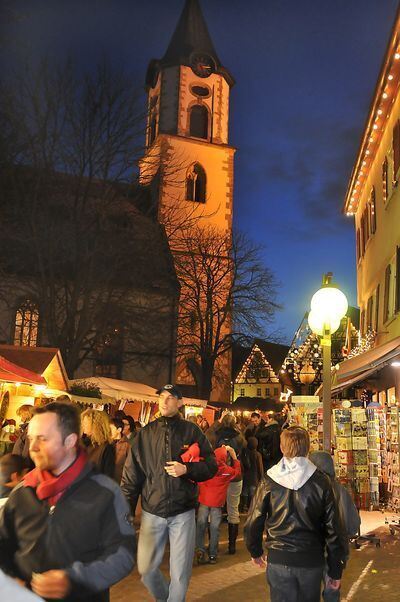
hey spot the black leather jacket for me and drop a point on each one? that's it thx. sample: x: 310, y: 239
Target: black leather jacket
x: 301, y: 525
x: 163, y: 440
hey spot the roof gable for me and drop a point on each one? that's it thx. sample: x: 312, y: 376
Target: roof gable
x: 45, y: 361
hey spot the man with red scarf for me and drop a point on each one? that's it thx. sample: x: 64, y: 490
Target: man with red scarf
x: 65, y: 530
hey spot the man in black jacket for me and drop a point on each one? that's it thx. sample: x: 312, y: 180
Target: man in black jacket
x: 65, y: 530
x: 155, y: 470
x: 295, y: 504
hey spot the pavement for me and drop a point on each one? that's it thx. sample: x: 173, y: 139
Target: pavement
x: 371, y: 575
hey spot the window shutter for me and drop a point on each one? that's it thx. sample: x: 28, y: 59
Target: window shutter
x: 385, y: 180
x: 369, y: 313
x: 386, y: 295
x: 397, y: 305
x: 363, y: 241
x: 362, y: 322
x: 377, y: 307
x: 372, y: 210
x: 396, y: 150
x: 358, y: 247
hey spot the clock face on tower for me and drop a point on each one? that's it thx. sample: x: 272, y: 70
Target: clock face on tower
x: 202, y: 65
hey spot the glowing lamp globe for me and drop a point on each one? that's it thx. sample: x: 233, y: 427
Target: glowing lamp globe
x: 331, y: 302
x: 319, y: 321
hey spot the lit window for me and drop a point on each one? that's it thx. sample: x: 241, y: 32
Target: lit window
x: 196, y: 184
x: 152, y: 128
x: 26, y: 324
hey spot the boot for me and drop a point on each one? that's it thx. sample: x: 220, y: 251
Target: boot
x: 232, y: 534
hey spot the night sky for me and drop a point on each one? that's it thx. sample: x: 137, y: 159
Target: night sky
x: 305, y: 73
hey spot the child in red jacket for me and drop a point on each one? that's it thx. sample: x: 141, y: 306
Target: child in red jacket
x: 212, y: 497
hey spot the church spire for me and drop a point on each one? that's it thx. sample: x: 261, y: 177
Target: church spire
x: 191, y: 38
x: 191, y: 35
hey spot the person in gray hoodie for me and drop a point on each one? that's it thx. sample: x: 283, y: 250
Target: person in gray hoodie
x: 296, y: 506
x: 347, y: 510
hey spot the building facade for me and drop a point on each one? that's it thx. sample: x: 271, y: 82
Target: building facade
x: 373, y: 199
x: 258, y: 372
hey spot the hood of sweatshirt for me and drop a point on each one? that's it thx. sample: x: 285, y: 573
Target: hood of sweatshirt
x: 292, y: 473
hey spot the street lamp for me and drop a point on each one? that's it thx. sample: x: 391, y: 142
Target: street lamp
x: 328, y: 306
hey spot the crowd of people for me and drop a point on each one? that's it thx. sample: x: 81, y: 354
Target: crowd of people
x: 71, y: 486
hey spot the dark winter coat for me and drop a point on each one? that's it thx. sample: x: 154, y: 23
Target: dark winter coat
x: 122, y: 448
x: 347, y: 509
x: 162, y: 441
x: 252, y: 460
x: 269, y: 444
x: 101, y: 456
x: 87, y: 533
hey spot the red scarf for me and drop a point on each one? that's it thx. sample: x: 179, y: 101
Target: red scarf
x: 52, y: 488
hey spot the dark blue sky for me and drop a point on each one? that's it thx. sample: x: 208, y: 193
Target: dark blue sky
x: 305, y: 72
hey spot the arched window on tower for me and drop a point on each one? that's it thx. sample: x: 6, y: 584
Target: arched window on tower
x: 196, y: 184
x: 198, y: 122
x: 153, y: 128
x: 26, y: 324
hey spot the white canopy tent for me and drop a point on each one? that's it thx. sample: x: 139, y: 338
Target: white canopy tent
x: 125, y: 390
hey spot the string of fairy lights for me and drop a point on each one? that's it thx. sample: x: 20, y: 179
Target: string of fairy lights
x: 364, y: 344
x: 385, y: 96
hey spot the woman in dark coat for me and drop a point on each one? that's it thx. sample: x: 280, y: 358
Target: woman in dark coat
x: 97, y: 441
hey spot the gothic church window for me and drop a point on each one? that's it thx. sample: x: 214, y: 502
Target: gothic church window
x: 26, y: 324
x: 153, y: 128
x: 196, y: 184
x: 198, y: 120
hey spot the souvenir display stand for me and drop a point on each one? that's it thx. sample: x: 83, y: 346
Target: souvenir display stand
x: 392, y: 458
x: 351, y: 453
x: 308, y: 414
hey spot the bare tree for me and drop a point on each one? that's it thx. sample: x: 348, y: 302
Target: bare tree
x: 227, y: 295
x: 71, y: 234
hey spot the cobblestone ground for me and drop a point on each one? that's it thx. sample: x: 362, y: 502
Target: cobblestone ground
x: 372, y: 575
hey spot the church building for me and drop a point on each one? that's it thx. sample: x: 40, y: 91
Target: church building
x: 188, y: 163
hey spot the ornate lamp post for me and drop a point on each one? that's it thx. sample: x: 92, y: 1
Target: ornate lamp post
x: 328, y: 306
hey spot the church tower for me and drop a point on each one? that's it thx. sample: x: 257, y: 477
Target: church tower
x: 188, y: 162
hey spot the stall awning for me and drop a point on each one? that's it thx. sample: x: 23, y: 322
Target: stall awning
x: 125, y: 390
x: 10, y: 372
x: 363, y: 366
x: 105, y: 399
x: 121, y: 390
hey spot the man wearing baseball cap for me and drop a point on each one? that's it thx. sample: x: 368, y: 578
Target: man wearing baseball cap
x: 155, y: 470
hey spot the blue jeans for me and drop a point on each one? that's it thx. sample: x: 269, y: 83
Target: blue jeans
x: 154, y: 532
x: 294, y: 584
x: 202, y: 523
